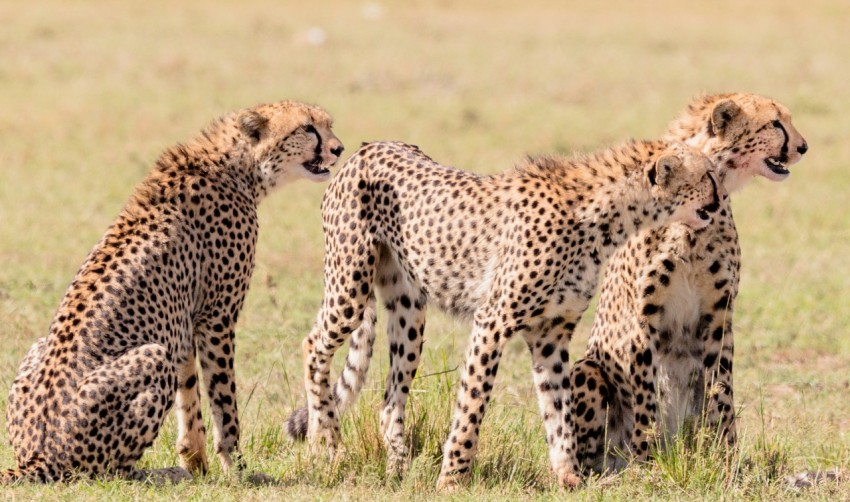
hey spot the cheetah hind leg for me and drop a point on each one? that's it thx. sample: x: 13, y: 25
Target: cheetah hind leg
x: 351, y: 380
x: 125, y: 402
x: 405, y: 329
x: 16, y: 426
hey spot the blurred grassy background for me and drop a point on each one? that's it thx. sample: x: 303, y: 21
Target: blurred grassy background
x: 91, y: 92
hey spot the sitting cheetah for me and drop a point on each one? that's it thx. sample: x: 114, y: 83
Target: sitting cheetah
x: 163, y: 287
x: 661, y: 344
x: 418, y: 232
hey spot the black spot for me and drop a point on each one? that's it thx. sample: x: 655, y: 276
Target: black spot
x: 718, y: 333
x: 650, y: 309
x: 581, y: 408
x: 580, y: 379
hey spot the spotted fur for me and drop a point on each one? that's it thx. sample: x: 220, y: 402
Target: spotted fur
x: 418, y: 233
x: 160, y: 293
x: 661, y: 345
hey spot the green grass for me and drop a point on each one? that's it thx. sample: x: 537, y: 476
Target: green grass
x: 91, y: 92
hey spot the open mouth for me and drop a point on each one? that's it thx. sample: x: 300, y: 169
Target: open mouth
x: 777, y: 165
x: 315, y: 166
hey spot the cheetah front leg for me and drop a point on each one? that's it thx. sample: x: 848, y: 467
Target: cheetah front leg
x: 191, y: 433
x: 476, y: 383
x: 216, y: 351
x: 643, y: 369
x: 549, y: 346
x: 719, y: 411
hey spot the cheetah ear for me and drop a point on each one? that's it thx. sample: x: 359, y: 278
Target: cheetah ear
x: 253, y: 125
x: 722, y: 114
x: 663, y: 170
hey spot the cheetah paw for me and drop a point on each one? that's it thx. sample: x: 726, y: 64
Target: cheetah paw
x: 451, y: 483
x: 397, y: 463
x: 568, y: 479
x: 196, y: 464
x: 324, y: 443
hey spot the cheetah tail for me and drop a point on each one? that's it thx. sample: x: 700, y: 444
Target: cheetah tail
x: 347, y: 387
x: 296, y: 424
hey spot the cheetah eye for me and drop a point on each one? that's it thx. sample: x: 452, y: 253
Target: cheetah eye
x: 309, y: 129
x: 777, y: 124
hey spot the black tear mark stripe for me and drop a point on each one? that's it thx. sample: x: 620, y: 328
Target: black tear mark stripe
x: 714, y: 206
x: 312, y: 130
x: 784, y: 150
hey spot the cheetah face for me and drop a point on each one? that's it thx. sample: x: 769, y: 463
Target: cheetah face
x: 753, y: 136
x: 683, y: 179
x: 290, y: 141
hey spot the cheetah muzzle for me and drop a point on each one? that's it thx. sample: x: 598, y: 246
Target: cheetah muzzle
x: 778, y: 165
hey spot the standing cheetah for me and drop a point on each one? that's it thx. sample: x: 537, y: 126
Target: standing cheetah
x: 159, y: 293
x: 661, y: 344
x: 418, y: 232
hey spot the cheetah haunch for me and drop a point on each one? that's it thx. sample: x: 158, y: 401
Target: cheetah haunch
x: 660, y: 350
x: 159, y: 293
x: 418, y: 232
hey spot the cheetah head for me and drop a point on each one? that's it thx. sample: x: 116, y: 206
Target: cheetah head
x: 745, y: 135
x: 288, y: 141
x: 683, y: 179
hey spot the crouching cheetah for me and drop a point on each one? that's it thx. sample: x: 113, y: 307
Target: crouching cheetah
x: 661, y: 344
x: 417, y: 232
x: 161, y: 291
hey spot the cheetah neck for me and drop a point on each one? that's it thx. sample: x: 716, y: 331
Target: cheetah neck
x: 215, y: 153
x: 616, y: 211
x: 607, y: 192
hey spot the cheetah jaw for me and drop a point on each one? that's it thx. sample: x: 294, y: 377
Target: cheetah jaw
x: 315, y: 168
x: 777, y: 165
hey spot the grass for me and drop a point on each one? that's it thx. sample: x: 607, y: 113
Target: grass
x: 91, y: 92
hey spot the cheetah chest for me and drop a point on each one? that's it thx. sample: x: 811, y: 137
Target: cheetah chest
x: 680, y: 349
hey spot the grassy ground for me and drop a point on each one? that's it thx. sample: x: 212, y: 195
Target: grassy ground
x: 91, y: 92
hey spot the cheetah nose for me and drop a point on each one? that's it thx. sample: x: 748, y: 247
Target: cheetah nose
x: 338, y: 150
x: 803, y: 148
